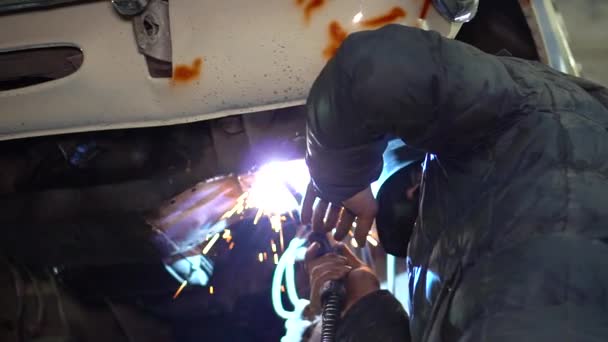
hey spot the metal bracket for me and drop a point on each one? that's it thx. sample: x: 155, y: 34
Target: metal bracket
x: 153, y: 32
x: 130, y: 8
x: 457, y: 11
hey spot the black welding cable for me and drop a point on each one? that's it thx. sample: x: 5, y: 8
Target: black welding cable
x: 332, y: 307
x: 332, y: 294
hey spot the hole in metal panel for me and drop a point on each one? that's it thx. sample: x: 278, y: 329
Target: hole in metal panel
x: 20, y: 68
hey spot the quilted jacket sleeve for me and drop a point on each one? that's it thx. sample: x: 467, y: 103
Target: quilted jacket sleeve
x: 437, y: 94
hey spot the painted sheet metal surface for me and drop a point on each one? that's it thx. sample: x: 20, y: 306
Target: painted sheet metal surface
x: 229, y: 57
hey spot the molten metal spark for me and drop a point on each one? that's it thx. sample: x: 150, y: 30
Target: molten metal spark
x: 281, y: 239
x: 238, y: 208
x: 275, y: 223
x: 271, y: 190
x: 271, y: 193
x: 211, y: 243
x: 258, y: 216
x: 231, y: 246
x: 180, y: 289
x: 227, y: 235
x: 211, y: 290
x: 372, y: 241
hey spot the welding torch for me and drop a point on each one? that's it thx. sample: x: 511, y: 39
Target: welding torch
x: 332, y: 293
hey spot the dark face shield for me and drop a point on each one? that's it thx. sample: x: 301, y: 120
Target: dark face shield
x: 398, y: 200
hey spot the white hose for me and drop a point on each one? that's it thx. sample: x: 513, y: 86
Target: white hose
x: 285, y: 268
x: 391, y: 263
x: 290, y: 277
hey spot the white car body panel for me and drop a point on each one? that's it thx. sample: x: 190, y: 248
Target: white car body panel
x: 257, y: 55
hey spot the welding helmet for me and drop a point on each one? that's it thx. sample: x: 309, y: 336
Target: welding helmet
x: 398, y: 202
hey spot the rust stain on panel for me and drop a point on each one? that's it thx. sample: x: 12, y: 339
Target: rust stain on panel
x: 337, y: 35
x: 184, y: 73
x: 393, y: 15
x: 425, y: 9
x: 310, y: 7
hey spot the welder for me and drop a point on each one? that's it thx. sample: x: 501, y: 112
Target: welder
x: 508, y: 239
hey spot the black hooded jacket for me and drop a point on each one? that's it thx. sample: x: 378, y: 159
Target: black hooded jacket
x: 514, y: 199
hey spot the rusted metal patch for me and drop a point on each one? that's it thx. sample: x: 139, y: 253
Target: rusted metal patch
x: 337, y: 34
x: 310, y: 7
x: 425, y: 9
x: 191, y: 217
x: 391, y: 16
x: 184, y: 73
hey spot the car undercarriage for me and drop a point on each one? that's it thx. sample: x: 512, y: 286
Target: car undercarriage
x: 80, y: 213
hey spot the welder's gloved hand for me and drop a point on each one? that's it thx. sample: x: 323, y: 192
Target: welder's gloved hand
x: 360, y: 208
x: 359, y: 280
